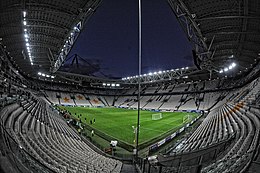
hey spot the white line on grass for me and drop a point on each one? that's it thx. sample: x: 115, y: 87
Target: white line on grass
x: 151, y: 129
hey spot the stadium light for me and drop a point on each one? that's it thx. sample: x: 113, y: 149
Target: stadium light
x: 221, y: 71
x: 113, y: 84
x: 150, y: 74
x: 117, y: 85
x: 48, y: 75
x: 27, y: 44
x: 26, y: 35
x: 160, y: 72
x: 24, y: 13
x: 52, y: 77
x: 39, y: 73
x: 225, y: 69
x: 24, y: 22
x: 108, y: 84
x: 25, y: 30
x: 43, y: 75
x: 26, y: 40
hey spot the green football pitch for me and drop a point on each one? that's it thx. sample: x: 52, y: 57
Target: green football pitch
x: 118, y: 122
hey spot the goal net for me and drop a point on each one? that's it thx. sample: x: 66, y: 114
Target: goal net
x: 157, y: 116
x: 186, y: 118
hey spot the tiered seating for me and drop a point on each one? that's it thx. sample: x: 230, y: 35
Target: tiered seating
x: 234, y: 116
x: 81, y: 100
x: 39, y: 130
x: 52, y: 97
x: 66, y: 99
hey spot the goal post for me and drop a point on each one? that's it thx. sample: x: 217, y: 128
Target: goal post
x: 157, y: 116
x: 186, y: 118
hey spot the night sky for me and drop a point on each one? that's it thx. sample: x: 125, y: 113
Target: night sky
x: 110, y: 39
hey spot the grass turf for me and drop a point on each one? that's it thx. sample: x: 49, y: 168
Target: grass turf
x: 118, y: 122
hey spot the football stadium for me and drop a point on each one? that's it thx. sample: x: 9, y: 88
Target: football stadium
x: 91, y: 86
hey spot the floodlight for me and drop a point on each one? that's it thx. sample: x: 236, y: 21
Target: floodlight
x: 43, y: 75
x: 47, y: 75
x: 145, y: 74
x: 24, y: 13
x: 25, y: 30
x: 233, y: 64
x: 113, y: 84
x: 160, y: 72
x: 187, y: 68
x: 27, y: 44
x: 182, y: 68
x: 221, y: 71
x: 150, y: 74
x: 52, y: 77
x: 225, y: 69
x: 26, y: 36
x: 24, y: 22
x: 26, y: 40
x: 31, y: 63
x: 155, y: 73
x: 128, y: 78
x: 230, y: 67
x: 117, y: 85
x: 108, y: 84
x: 39, y: 73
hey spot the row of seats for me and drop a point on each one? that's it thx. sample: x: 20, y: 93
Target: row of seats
x: 234, y: 116
x: 39, y: 130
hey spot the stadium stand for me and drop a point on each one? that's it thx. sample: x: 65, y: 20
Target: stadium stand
x: 38, y: 129
x: 35, y: 136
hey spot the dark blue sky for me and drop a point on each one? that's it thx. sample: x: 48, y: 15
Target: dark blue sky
x: 110, y: 38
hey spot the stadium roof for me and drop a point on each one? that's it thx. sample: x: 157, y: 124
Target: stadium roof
x: 43, y: 32
x: 226, y: 31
